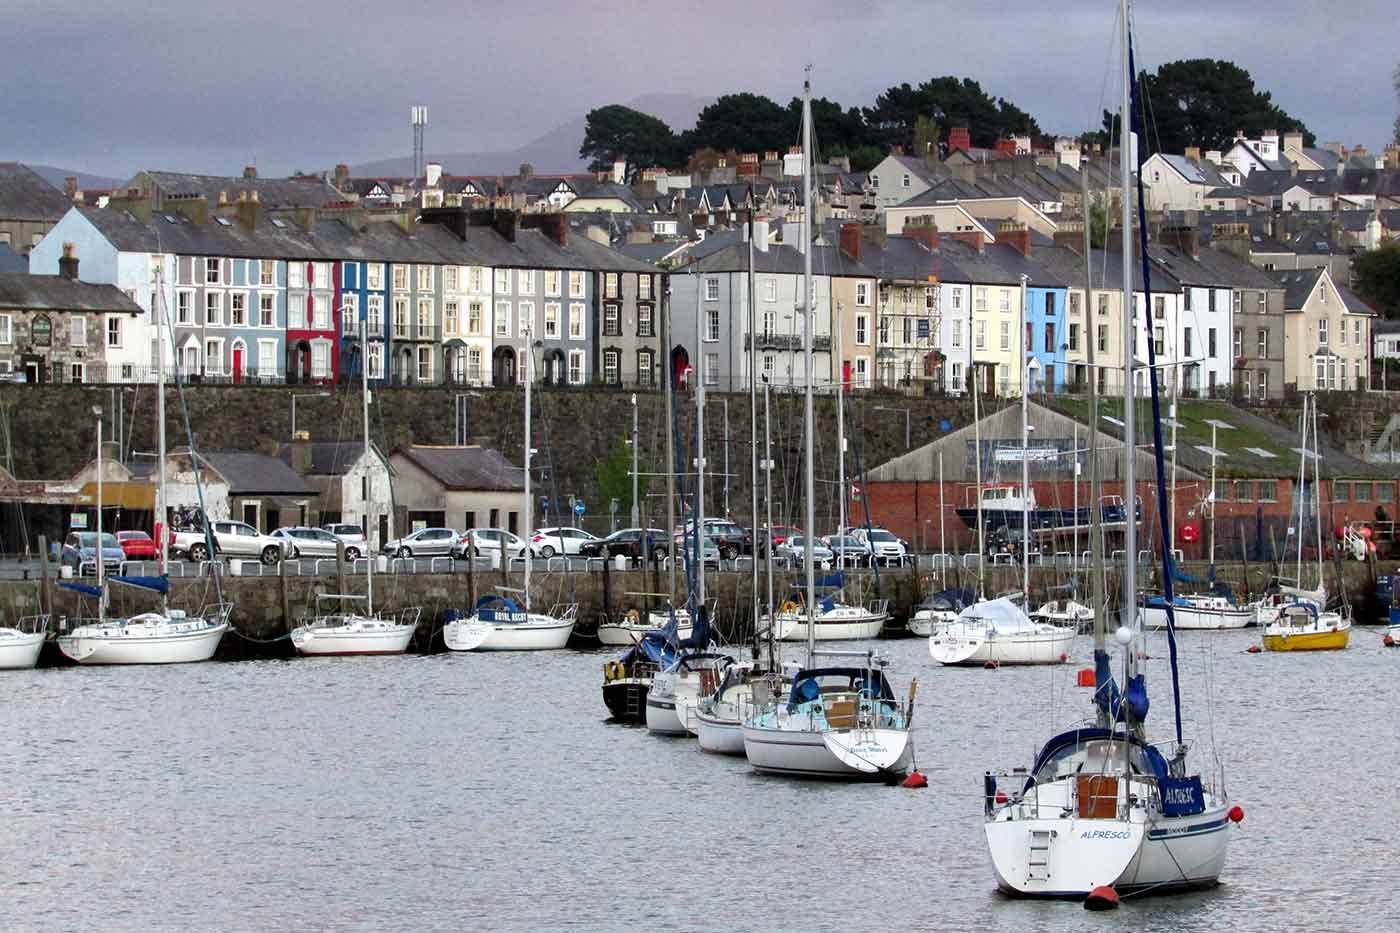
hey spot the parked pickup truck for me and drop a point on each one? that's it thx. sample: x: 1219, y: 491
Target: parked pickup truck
x: 231, y: 539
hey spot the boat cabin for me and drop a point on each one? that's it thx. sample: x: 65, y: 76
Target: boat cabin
x: 1005, y: 497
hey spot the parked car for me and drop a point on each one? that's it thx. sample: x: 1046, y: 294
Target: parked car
x: 710, y: 549
x: 546, y: 542
x: 137, y: 545
x: 1009, y: 541
x: 731, y: 539
x: 627, y: 542
x: 426, y: 542
x: 80, y: 552
x: 232, y: 539
x: 793, y: 551
x: 316, y: 542
x: 353, y: 535
x: 885, y: 546
x: 479, y: 542
x: 854, y: 551
x: 780, y: 534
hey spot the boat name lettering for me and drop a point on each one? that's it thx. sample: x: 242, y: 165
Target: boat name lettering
x: 1105, y: 834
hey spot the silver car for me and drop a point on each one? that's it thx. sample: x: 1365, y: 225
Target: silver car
x: 316, y: 542
x: 793, y: 551
x: 426, y: 542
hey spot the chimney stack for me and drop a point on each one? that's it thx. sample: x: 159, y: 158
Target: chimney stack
x: 68, y: 263
x: 926, y: 234
x: 247, y: 210
x: 850, y: 240
x: 1016, y: 235
x: 554, y: 226
x: 250, y: 172
x: 959, y: 138
x: 301, y: 453
x: 70, y: 187
x: 1183, y: 238
x: 342, y: 176
x: 1193, y: 153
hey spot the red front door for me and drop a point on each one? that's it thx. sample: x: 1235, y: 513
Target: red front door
x: 237, y: 365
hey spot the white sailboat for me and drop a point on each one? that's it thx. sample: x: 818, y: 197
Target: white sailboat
x: 635, y: 624
x: 998, y: 631
x: 164, y: 636
x: 1100, y: 807
x: 498, y: 623
x: 339, y: 627
x: 836, y: 722
x: 21, y: 643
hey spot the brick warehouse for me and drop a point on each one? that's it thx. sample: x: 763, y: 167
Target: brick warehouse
x: 1256, y: 475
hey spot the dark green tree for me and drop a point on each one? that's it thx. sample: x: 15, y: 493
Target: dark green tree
x: 1203, y: 102
x: 616, y: 131
x: 947, y: 101
x: 614, y: 476
x: 925, y: 138
x: 743, y: 122
x: 834, y: 131
x: 1377, y: 277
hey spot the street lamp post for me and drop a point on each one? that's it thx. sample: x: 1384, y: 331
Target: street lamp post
x: 297, y: 395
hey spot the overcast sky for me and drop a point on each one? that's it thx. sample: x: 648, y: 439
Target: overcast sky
x: 110, y: 88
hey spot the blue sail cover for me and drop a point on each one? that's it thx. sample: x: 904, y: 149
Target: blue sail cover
x: 83, y: 588
x: 836, y: 581
x: 155, y: 584
x: 495, y: 608
x: 699, y: 631
x: 653, y: 647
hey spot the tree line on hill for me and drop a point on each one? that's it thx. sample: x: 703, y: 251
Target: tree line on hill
x: 1196, y: 102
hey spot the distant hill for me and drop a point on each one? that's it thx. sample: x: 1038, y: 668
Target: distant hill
x: 555, y: 151
x: 55, y: 176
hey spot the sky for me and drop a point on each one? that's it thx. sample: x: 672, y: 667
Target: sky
x: 116, y: 87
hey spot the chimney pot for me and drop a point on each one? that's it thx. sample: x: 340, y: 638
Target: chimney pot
x: 250, y: 171
x: 850, y: 240
x: 68, y: 263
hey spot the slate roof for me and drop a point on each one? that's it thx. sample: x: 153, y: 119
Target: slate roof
x: 21, y: 291
x: 648, y: 252
x: 465, y: 468
x: 1297, y: 286
x: 24, y: 195
x: 11, y: 261
x: 328, y: 458
x: 1188, y: 169
x: 1213, y: 268
x: 255, y: 474
x: 272, y: 192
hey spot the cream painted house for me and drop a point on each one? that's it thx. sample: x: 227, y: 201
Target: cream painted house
x: 457, y: 487
x: 1327, y: 333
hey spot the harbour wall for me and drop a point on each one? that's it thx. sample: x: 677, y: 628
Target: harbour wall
x: 266, y: 607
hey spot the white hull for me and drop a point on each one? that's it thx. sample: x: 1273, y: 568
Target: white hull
x: 625, y: 634
x: 1137, y: 853
x: 959, y: 643
x: 854, y: 754
x: 352, y: 638
x: 19, y: 650
x: 845, y: 623
x: 719, y: 735
x: 131, y: 644
x: 671, y: 703
x: 923, y: 622
x: 539, y: 633
x: 1203, y: 617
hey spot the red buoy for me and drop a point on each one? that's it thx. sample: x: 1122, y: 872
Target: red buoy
x: 1086, y: 677
x: 1254, y: 649
x: 1063, y: 657
x: 1000, y: 798
x: 1104, y: 897
x: 990, y: 665
x: 1236, y: 813
x: 915, y: 780
x: 1388, y: 641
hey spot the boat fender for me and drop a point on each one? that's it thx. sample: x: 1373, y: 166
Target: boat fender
x: 1253, y: 649
x: 915, y: 780
x: 1236, y: 814
x: 614, y: 670
x: 1388, y: 641
x: 1104, y: 897
x: 633, y: 616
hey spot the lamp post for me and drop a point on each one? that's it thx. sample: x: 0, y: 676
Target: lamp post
x: 297, y: 395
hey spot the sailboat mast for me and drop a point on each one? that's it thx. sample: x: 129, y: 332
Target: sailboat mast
x: 1298, y: 492
x: 840, y: 444
x: 529, y: 378
x: 1025, y: 487
x: 977, y: 464
x: 808, y: 566
x: 162, y: 546
x: 1317, y: 495
x: 1098, y: 592
x: 753, y: 428
x: 1129, y: 595
x: 102, y: 593
x: 768, y: 520
x: 1210, y: 498
x: 364, y: 426
x: 698, y: 514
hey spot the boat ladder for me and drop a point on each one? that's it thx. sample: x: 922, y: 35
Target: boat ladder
x: 1038, y: 856
x: 636, y: 706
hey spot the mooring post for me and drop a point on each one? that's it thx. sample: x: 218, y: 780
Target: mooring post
x: 340, y: 566
x: 45, y: 584
x: 286, y: 596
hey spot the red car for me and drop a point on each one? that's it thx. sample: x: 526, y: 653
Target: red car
x: 137, y: 545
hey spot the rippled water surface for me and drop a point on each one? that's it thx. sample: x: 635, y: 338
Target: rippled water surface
x: 488, y: 791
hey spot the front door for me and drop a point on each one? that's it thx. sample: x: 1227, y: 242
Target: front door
x: 237, y: 365
x: 33, y: 370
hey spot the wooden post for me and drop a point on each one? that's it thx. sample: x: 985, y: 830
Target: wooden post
x: 340, y: 566
x: 45, y: 584
x: 471, y: 581
x: 286, y: 595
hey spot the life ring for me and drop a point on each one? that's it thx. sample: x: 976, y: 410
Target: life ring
x: 633, y: 616
x: 614, y: 670
x: 789, y: 606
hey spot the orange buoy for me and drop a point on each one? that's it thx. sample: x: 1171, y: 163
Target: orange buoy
x: 1253, y: 649
x: 1086, y: 677
x: 1104, y: 897
x: 1236, y: 814
x: 915, y: 780
x: 1388, y: 641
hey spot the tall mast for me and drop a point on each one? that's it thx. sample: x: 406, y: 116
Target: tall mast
x: 1317, y: 496
x: 102, y: 593
x: 670, y: 431
x: 840, y: 442
x: 698, y: 513
x: 977, y: 462
x: 1098, y: 596
x: 364, y: 425
x: 529, y: 377
x: 1211, y: 497
x: 753, y: 426
x: 1025, y: 486
x: 1298, y: 493
x: 1129, y: 595
x: 158, y: 309
x: 768, y: 519
x: 808, y: 567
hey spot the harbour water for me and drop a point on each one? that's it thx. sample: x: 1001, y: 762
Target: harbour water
x: 488, y: 792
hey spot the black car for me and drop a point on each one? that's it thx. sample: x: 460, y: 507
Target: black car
x: 627, y: 542
x: 727, y: 536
